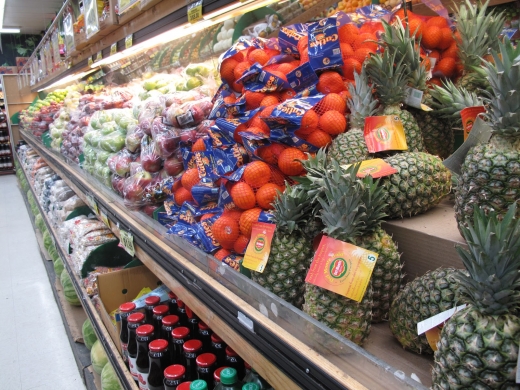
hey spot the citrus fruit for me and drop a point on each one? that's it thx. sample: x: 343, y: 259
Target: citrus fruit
x: 247, y: 219
x: 226, y: 231
x: 288, y: 161
x: 333, y: 123
x: 267, y: 194
x: 243, y: 196
x: 256, y: 174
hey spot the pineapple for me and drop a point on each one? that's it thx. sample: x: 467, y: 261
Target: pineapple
x: 352, y: 212
x: 490, y: 173
x: 389, y: 75
x: 420, y: 183
x: 479, y: 345
x: 351, y: 147
x: 291, y: 249
x: 422, y: 298
x: 478, y: 33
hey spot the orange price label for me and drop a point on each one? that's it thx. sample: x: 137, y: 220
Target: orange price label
x: 259, y: 246
x: 375, y: 168
x: 384, y: 133
x: 342, y: 268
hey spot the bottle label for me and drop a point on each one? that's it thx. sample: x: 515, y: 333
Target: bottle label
x: 124, y: 352
x: 143, y: 381
x: 232, y: 359
x: 204, y: 332
x: 132, y: 367
x: 203, y: 370
x: 217, y: 345
x: 190, y: 355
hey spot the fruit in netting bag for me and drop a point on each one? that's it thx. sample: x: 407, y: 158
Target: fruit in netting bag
x: 189, y: 114
x: 288, y: 162
x: 134, y: 189
x: 89, y: 336
x: 150, y: 160
x: 226, y: 231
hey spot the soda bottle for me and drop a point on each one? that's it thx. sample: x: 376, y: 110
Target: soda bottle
x: 149, y: 303
x: 179, y: 336
x: 158, y: 357
x: 216, y: 376
x: 206, y: 365
x: 144, y: 335
x: 125, y: 309
x: 135, y: 320
x: 229, y: 380
x: 199, y: 384
x: 192, y: 349
x: 159, y: 312
x: 174, y: 376
x: 235, y: 361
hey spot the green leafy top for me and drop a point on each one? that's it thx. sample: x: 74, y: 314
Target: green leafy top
x: 362, y: 102
x: 448, y: 100
x: 292, y: 209
x: 493, y: 262
x: 504, y: 100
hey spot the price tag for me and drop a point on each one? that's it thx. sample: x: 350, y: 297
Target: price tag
x: 99, y: 56
x: 375, y: 168
x: 90, y: 61
x: 195, y: 11
x: 127, y: 241
x: 342, y: 268
x: 384, y: 132
x: 104, y: 218
x: 129, y: 41
x: 413, y: 97
x: 113, y: 49
x: 69, y: 64
x: 259, y: 246
x: 92, y: 203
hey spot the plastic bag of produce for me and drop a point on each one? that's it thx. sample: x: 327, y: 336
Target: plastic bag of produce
x: 133, y: 138
x: 112, y: 142
x: 134, y: 189
x: 167, y: 142
x: 119, y: 163
x: 189, y: 114
x: 151, y: 161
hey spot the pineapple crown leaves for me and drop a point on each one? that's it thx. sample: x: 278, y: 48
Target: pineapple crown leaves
x: 504, y: 101
x: 492, y: 257
x: 478, y: 31
x: 292, y: 208
x: 448, y: 101
x: 389, y: 76
x: 316, y: 168
x: 397, y: 38
x: 362, y: 103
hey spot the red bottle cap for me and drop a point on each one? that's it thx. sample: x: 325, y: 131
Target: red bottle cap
x: 184, y: 386
x: 158, y: 345
x: 189, y: 313
x: 203, y: 326
x: 127, y: 307
x: 205, y: 359
x: 136, y: 317
x: 247, y: 365
x: 175, y: 371
x: 152, y: 300
x: 180, y: 333
x: 171, y: 295
x: 216, y: 374
x: 230, y: 352
x: 160, y: 310
x: 192, y: 345
x: 180, y: 303
x: 215, y: 338
x: 144, y: 330
x: 170, y: 320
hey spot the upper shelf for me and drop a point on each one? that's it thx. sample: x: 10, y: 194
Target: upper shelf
x: 309, y: 353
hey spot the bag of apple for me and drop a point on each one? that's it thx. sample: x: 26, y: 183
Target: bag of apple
x: 165, y: 137
x: 133, y: 138
x: 119, y: 163
x: 189, y: 114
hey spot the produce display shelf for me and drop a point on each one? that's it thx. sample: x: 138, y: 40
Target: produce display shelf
x: 100, y: 329
x: 301, y: 351
x: 6, y: 172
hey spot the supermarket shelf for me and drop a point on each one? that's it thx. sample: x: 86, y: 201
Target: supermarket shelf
x: 7, y: 172
x: 70, y: 315
x: 302, y: 349
x: 102, y: 333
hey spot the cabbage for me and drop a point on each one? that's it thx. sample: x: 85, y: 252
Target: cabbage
x: 98, y: 357
x: 89, y: 336
x: 109, y: 379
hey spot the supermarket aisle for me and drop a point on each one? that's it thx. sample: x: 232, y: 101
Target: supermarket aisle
x: 35, y: 352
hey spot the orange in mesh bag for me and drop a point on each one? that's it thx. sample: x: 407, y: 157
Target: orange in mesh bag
x: 256, y: 174
x: 330, y: 82
x: 270, y: 153
x: 348, y: 33
x: 247, y: 219
x: 266, y: 195
x: 226, y: 231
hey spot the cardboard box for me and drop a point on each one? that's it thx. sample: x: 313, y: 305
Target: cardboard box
x: 119, y: 287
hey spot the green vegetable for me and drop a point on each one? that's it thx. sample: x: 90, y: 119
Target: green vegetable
x: 89, y: 336
x: 109, y: 380
x: 98, y: 357
x: 68, y: 289
x: 58, y: 266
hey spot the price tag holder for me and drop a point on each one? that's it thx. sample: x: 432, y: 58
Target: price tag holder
x: 104, y: 217
x: 127, y: 241
x: 195, y: 11
x: 90, y: 61
x: 92, y: 203
x: 99, y: 56
x: 342, y: 268
x: 113, y: 49
x: 259, y: 247
x: 129, y: 41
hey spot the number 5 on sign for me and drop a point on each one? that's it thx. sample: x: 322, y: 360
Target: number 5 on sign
x: 195, y: 11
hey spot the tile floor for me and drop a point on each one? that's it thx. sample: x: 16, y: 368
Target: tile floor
x: 35, y: 353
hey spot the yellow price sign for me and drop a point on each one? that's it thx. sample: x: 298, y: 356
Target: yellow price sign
x: 259, y: 246
x: 195, y: 11
x: 113, y: 49
x: 99, y: 56
x: 127, y: 241
x: 90, y: 61
x: 104, y: 218
x: 129, y: 41
x: 92, y: 203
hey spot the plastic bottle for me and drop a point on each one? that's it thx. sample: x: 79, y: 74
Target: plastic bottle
x: 253, y: 377
x: 229, y: 380
x: 199, y: 384
x: 250, y: 386
x: 216, y: 376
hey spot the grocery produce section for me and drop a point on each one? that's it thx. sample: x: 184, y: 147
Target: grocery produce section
x: 279, y: 179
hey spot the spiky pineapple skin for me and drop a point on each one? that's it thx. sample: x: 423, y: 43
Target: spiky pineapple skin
x: 477, y: 351
x: 437, y: 133
x: 420, y: 183
x: 414, y: 138
x: 287, y: 266
x: 348, y: 147
x: 422, y: 298
x: 387, y: 273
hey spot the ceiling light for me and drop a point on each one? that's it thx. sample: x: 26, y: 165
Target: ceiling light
x: 8, y: 30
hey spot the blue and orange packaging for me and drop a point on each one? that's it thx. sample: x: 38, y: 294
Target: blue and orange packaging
x: 186, y: 231
x: 205, y: 163
x: 170, y: 206
x: 203, y: 194
x: 220, y: 107
x: 210, y: 208
x: 303, y: 79
x: 371, y: 13
x: 166, y: 220
x: 187, y: 213
x: 229, y: 159
x: 242, y: 44
x: 289, y: 36
x: 256, y: 79
x: 220, y: 139
x: 205, y: 234
x: 324, y: 46
x: 290, y: 112
x: 188, y: 158
x: 267, y: 216
x: 252, y: 146
x: 233, y: 261
x: 225, y: 202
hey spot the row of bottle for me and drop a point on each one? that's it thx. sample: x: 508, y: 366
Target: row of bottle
x: 5, y: 149
x: 168, y: 345
x: 4, y: 135
x: 6, y: 163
